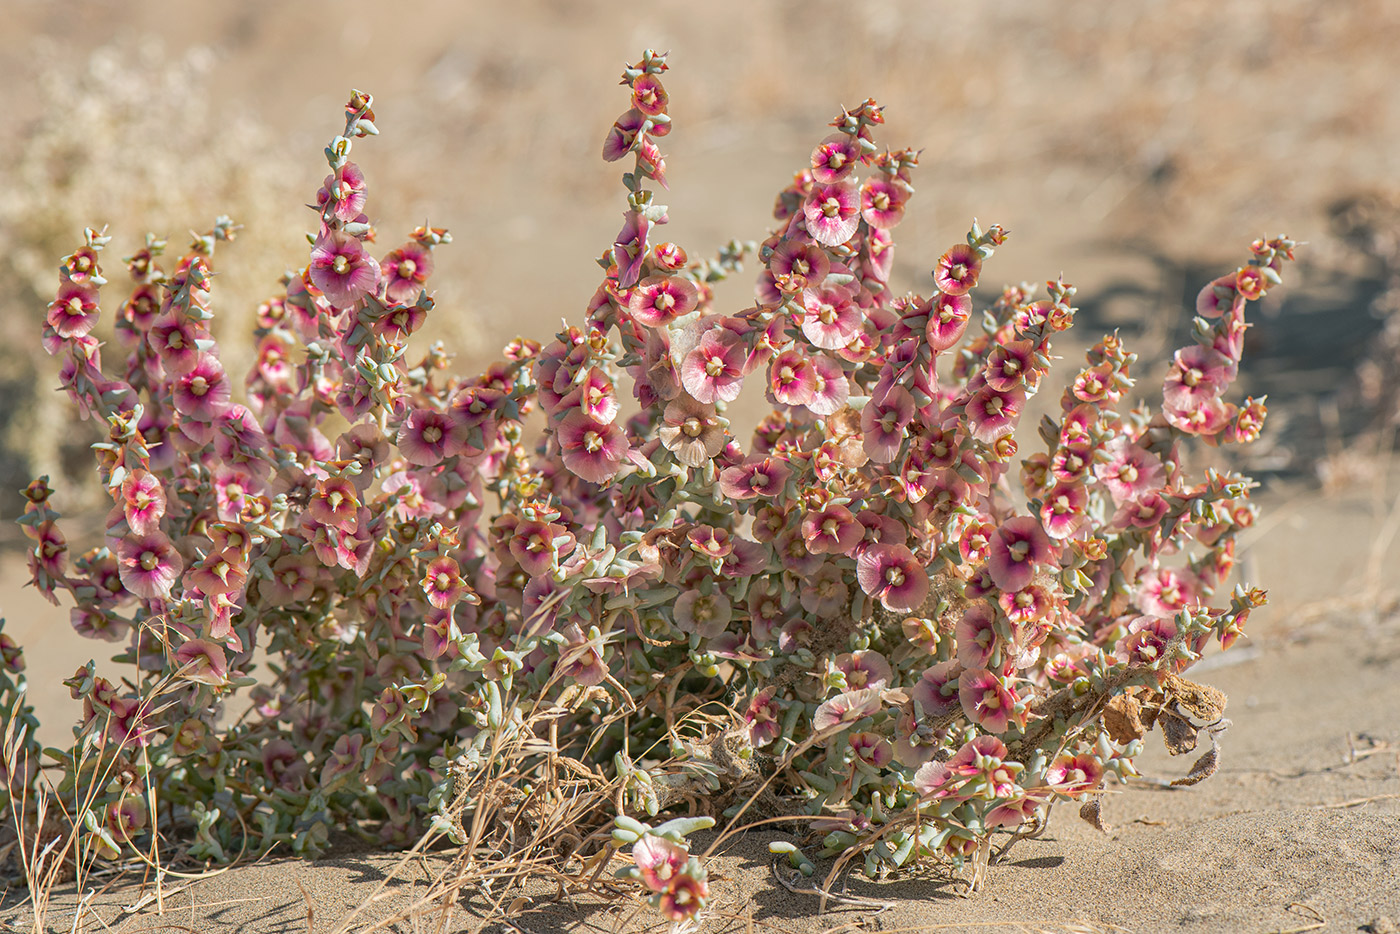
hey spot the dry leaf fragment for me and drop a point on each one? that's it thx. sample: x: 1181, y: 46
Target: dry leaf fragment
x: 1199, y: 701
x: 1091, y: 812
x: 1122, y: 717
x: 1178, y: 733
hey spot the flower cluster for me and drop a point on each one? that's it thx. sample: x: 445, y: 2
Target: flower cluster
x: 915, y: 629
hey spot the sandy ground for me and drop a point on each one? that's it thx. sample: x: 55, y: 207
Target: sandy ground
x: 1136, y: 147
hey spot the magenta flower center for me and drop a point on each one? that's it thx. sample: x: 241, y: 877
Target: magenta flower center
x: 801, y: 266
x: 1011, y: 365
x: 831, y: 207
x: 714, y: 366
x: 894, y: 577
x: 592, y: 442
x: 432, y: 434
x: 407, y: 268
x: 75, y: 306
x: 1128, y: 474
x: 827, y: 314
x: 881, y: 201
x: 442, y: 581
x: 1019, y: 550
x: 149, y: 560
x: 341, y: 264
x: 176, y: 341
x: 692, y: 427
x: 1192, y: 377
x: 994, y: 405
x: 199, y: 385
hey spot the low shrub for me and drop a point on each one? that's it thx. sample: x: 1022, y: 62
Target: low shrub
x: 463, y: 606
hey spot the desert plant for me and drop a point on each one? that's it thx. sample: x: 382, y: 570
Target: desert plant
x: 867, y: 621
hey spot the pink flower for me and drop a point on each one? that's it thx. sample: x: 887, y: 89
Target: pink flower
x: 1012, y: 813
x: 832, y: 211
x: 684, y: 898
x: 202, y: 661
x: 1130, y: 471
x: 847, y: 707
x: 203, y: 392
x: 1019, y: 545
x: 1164, y: 592
x: 832, y: 531
x: 405, y: 271
x: 1219, y: 297
x: 658, y: 861
x: 1071, y: 462
x: 986, y: 700
x: 976, y: 636
x: 832, y: 319
x: 825, y: 594
x: 341, y: 268
x: 1073, y: 775
x: 533, y: 545
x: 882, y: 202
x: 834, y: 158
x: 143, y: 501
x: 1026, y: 606
x: 1145, y: 512
x: 705, y: 613
x: 1146, y: 640
x: 345, y: 190
x: 957, y: 270
x: 622, y: 135
x: 1197, y: 376
x: 714, y: 370
x: 762, y: 718
x: 427, y: 436
x: 992, y: 414
x: 594, y: 397
x: 797, y: 265
x: 592, y: 450
x: 692, y: 431
x: 1010, y: 365
x: 658, y: 300
x: 149, y: 565
x: 882, y: 424
x: 336, y: 502
x: 872, y: 749
x: 830, y: 388
x: 864, y: 668
x: 758, y: 477
x: 630, y: 245
x: 947, y: 320
x: 443, y: 585
x: 892, y: 575
x: 74, y: 310
x: 1064, y: 510
x: 220, y: 573
x: 648, y: 96
x: 792, y: 380
x: 1209, y: 417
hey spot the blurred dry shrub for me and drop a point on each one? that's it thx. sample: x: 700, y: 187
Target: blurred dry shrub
x: 125, y: 138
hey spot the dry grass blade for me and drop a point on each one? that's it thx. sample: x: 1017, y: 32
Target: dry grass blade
x: 1317, y: 920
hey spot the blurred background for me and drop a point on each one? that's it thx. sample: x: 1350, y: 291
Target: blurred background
x: 1137, y: 148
